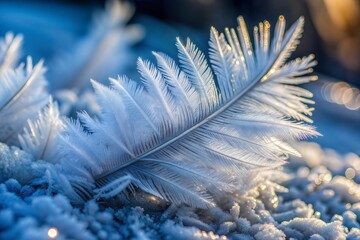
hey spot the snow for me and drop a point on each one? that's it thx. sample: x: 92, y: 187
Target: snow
x: 14, y: 163
x: 320, y: 203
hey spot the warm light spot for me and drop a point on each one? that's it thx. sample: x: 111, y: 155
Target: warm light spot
x: 152, y: 198
x: 342, y: 12
x: 350, y: 173
x: 267, y: 24
x: 337, y: 90
x: 53, y: 233
x: 354, y: 161
x: 342, y: 93
x: 325, y: 89
x: 347, y: 96
x: 354, y: 104
x: 327, y: 178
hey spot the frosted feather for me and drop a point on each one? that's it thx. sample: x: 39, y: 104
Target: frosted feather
x: 22, y: 95
x: 181, y: 131
x: 41, y: 135
x: 10, y: 51
x: 103, y: 52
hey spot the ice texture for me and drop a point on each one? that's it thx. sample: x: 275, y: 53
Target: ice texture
x: 15, y: 163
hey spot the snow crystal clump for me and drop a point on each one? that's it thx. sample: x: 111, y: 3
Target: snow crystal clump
x: 14, y: 163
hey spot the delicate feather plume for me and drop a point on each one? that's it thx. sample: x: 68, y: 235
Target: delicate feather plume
x: 103, y: 52
x: 183, y: 130
x: 22, y: 95
x: 10, y: 51
x: 40, y: 137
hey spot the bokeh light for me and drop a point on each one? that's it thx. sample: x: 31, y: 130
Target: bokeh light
x: 53, y: 233
x: 342, y: 93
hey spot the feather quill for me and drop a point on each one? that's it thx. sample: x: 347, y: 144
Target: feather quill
x: 181, y: 131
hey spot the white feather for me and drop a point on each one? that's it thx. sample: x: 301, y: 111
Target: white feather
x: 40, y: 137
x: 180, y: 131
x: 10, y: 51
x: 102, y: 52
x: 22, y: 95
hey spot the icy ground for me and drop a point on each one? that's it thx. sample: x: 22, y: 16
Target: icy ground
x: 317, y: 197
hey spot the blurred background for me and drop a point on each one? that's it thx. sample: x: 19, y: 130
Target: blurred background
x: 66, y: 30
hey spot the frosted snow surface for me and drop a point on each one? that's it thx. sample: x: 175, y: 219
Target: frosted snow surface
x: 320, y: 200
